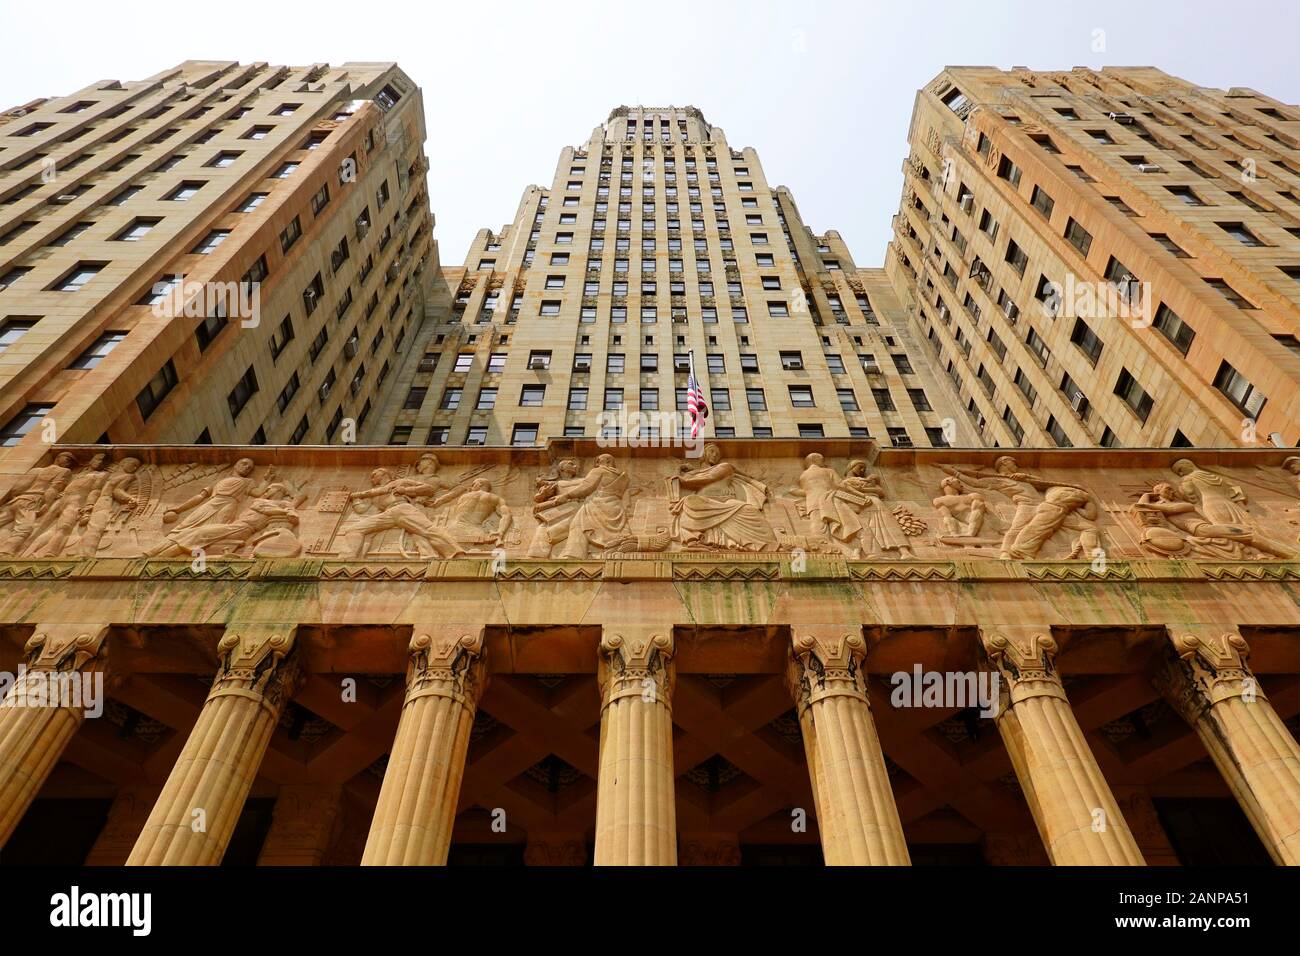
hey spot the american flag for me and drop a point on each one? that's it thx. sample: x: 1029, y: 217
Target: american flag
x: 696, y: 406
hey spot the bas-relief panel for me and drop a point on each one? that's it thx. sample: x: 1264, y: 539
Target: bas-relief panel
x: 616, y: 503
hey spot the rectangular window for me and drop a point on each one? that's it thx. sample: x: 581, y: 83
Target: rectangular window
x: 244, y: 390
x: 21, y: 424
x: 1174, y: 328
x: 1078, y: 237
x: 1239, y: 391
x: 1127, y: 388
x: 93, y: 355
x: 152, y: 395
x: 801, y: 396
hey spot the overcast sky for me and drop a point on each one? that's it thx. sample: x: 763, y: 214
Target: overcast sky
x: 823, y: 90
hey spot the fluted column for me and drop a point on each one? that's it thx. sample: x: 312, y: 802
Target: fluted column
x: 417, y: 803
x: 636, y: 812
x: 192, y: 822
x: 44, y: 708
x: 856, y: 812
x: 1205, y: 677
x: 1077, y: 816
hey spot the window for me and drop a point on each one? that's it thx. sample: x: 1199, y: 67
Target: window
x: 613, y: 399
x: 137, y: 230
x: 920, y: 401
x: 65, y: 237
x: 22, y: 423
x: 792, y: 361
x: 1127, y: 284
x: 152, y: 395
x: 450, y: 399
x: 1086, y: 339
x: 550, y: 307
x: 93, y: 355
x: 11, y: 330
x: 287, y: 393
x: 524, y: 434
x: 1016, y: 256
x: 756, y: 399
x: 577, y: 399
x: 182, y: 193
x: 244, y: 390
x: 1078, y: 237
x: 1239, y: 232
x: 848, y: 400
x: 1173, y: 328
x: 899, y: 438
x: 1009, y: 171
x: 1231, y: 294
x: 811, y: 431
x: 1238, y: 390
x: 532, y: 396
x: 649, y: 399
x: 1127, y: 388
x: 285, y: 171
x: 801, y: 396
x: 209, y: 243
x: 1170, y: 245
x: 777, y: 309
x: 883, y: 399
x: 1042, y: 202
x: 1187, y: 195
x: 614, y: 362
x: 320, y: 200
x: 721, y: 399
x: 82, y: 273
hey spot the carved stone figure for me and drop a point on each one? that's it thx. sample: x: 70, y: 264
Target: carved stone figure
x: 586, y: 514
x: 1220, y: 501
x: 1175, y: 527
x: 724, y: 510
x: 216, y: 505
x: 73, y: 506
x: 473, y: 512
x: 1043, y: 507
x: 267, y: 523
x: 390, y: 504
x: 962, y: 513
x: 848, y: 510
x: 22, y: 507
x: 115, y: 501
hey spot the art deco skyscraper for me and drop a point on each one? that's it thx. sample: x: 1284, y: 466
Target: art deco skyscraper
x: 299, y: 190
x: 1030, y: 197
x: 657, y: 239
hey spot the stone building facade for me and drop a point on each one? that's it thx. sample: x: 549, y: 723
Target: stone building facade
x: 858, y: 628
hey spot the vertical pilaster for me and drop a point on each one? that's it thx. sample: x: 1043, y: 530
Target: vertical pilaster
x: 856, y: 813
x: 192, y: 822
x: 1076, y: 813
x: 304, y: 824
x: 636, y: 813
x: 60, y: 678
x: 1205, y: 677
x: 417, y: 803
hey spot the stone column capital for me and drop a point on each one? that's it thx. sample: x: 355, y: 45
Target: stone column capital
x: 636, y: 661
x: 1204, y: 665
x: 65, y: 647
x: 1025, y: 657
x: 447, y: 661
x: 827, y: 661
x: 258, y: 662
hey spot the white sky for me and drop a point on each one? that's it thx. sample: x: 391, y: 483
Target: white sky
x: 821, y: 89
